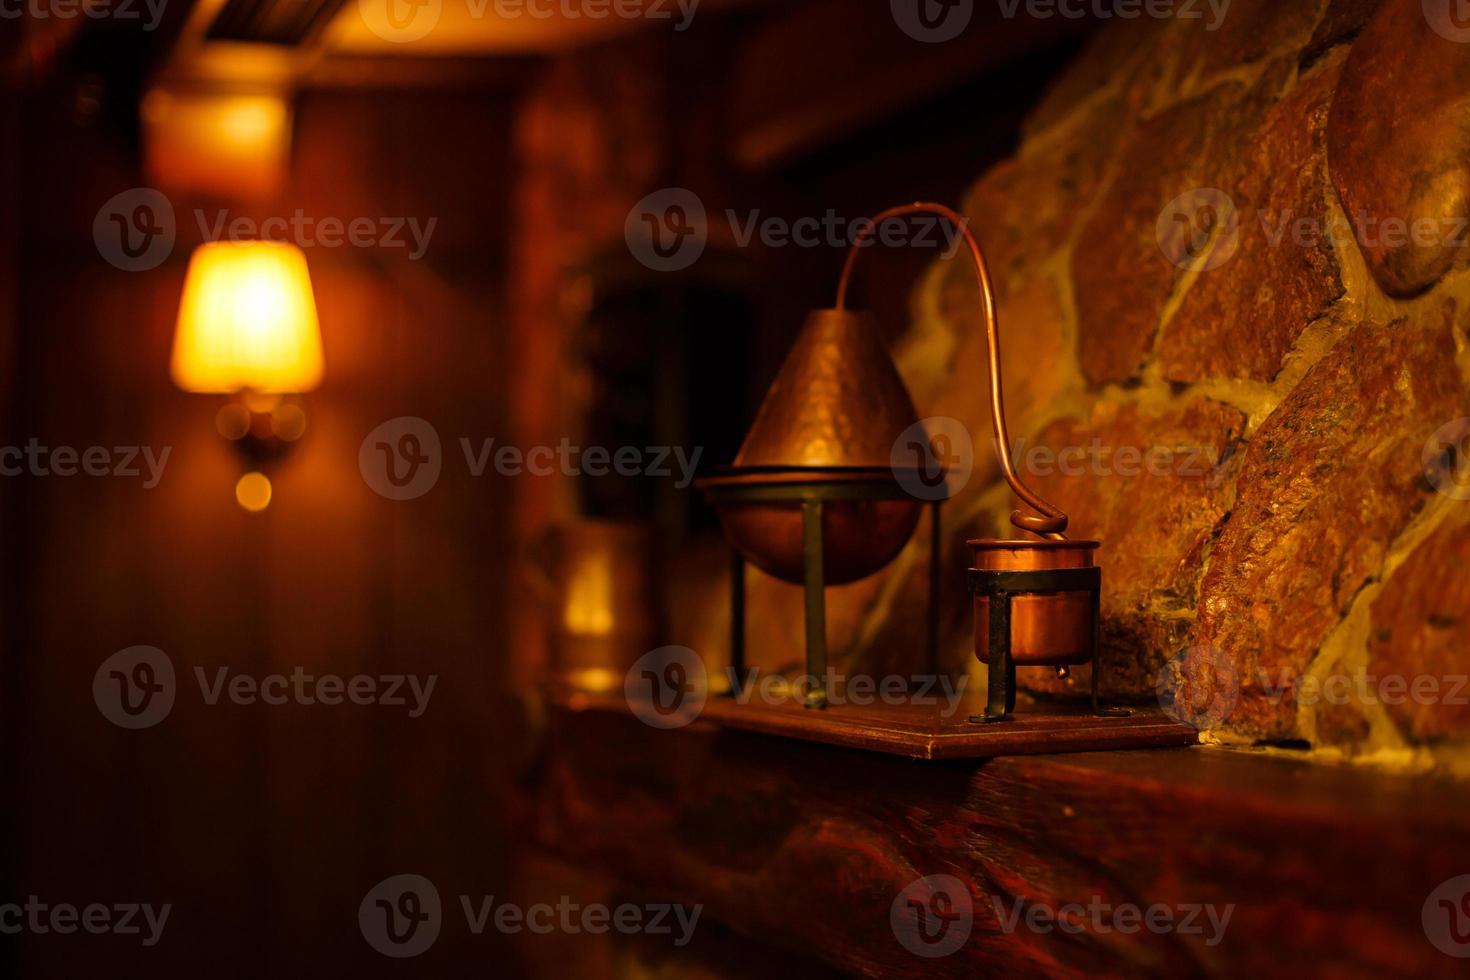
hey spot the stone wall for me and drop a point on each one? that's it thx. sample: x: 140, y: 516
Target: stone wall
x: 1290, y: 563
x: 1283, y: 556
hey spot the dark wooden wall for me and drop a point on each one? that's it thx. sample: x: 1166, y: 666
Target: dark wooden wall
x: 263, y: 826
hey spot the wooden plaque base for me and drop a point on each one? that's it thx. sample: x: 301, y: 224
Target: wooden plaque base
x: 932, y: 731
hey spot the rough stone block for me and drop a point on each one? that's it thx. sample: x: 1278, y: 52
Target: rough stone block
x: 1240, y: 318
x: 1328, y: 481
x: 1399, y: 147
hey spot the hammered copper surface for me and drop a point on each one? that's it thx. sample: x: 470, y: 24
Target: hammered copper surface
x: 858, y: 536
x: 1046, y: 630
x: 837, y: 400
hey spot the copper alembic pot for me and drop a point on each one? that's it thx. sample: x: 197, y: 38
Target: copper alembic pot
x: 815, y: 498
x: 831, y: 417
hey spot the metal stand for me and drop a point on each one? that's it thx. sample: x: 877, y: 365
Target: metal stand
x: 999, y: 587
x: 812, y: 498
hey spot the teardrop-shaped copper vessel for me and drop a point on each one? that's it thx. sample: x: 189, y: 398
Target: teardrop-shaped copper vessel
x: 837, y: 401
x: 831, y: 416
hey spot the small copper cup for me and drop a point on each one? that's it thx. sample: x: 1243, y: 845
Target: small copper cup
x: 1046, y: 629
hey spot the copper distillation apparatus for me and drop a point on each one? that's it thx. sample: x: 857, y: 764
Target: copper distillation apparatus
x: 814, y: 498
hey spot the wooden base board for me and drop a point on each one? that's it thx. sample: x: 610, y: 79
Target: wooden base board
x: 932, y: 731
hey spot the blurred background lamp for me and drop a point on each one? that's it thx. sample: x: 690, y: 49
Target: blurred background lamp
x: 247, y: 321
x: 231, y: 146
x: 248, y: 328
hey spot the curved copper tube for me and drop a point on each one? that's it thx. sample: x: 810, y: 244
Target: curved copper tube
x: 1054, y: 521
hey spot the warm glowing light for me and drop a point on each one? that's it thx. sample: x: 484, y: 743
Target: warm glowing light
x: 232, y: 421
x: 589, y: 603
x: 253, y: 492
x: 288, y: 423
x: 217, y: 144
x: 250, y: 122
x: 247, y: 321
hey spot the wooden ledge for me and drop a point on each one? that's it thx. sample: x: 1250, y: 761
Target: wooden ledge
x: 932, y: 728
x: 806, y: 847
x: 927, y: 733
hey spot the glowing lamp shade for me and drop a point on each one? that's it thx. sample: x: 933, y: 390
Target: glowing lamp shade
x: 247, y: 321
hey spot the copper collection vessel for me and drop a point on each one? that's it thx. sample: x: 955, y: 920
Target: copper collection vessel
x: 814, y: 498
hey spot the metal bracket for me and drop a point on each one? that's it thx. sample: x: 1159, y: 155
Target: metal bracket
x: 999, y: 587
x: 812, y: 498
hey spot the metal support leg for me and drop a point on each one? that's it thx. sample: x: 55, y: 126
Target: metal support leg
x: 737, y: 622
x: 816, y: 602
x: 1010, y: 684
x: 935, y: 569
x: 1001, y: 699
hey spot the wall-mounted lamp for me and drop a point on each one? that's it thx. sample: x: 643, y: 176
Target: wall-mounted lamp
x: 247, y: 328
